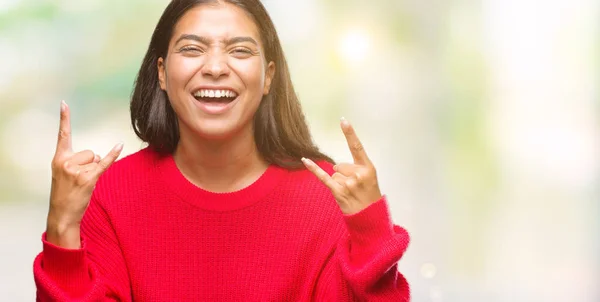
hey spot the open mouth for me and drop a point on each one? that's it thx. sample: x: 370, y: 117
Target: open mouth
x: 215, y: 96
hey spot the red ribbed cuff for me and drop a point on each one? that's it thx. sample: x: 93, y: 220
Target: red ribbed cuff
x: 370, y: 227
x: 65, y: 266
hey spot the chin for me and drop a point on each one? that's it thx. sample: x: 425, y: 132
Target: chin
x: 216, y: 131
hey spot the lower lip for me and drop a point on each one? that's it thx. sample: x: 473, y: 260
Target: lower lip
x: 216, y: 107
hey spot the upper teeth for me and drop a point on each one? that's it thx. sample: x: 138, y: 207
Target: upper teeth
x: 215, y: 93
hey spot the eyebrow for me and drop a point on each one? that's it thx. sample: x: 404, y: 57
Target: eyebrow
x: 207, y: 41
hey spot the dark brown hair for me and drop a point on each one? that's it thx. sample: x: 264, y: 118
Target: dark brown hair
x: 280, y: 130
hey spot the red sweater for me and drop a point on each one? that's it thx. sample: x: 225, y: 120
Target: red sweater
x: 151, y: 235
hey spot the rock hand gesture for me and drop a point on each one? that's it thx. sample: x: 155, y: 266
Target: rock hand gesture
x: 74, y: 176
x: 354, y: 186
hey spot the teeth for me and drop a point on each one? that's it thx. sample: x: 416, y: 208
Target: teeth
x: 215, y: 93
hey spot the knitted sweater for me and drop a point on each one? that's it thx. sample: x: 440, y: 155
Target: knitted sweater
x: 151, y: 235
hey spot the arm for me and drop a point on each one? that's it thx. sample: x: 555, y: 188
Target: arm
x: 94, y: 272
x: 367, y: 255
x: 364, y: 264
x: 81, y: 259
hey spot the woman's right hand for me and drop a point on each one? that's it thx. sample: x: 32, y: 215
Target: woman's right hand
x: 74, y: 176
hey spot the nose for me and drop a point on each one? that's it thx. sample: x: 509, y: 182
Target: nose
x: 215, y: 65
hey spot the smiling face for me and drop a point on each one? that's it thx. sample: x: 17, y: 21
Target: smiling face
x: 215, y: 73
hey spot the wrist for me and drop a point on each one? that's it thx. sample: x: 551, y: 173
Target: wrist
x: 63, y: 233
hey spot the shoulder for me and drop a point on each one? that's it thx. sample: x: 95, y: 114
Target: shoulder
x: 313, y: 202
x: 326, y: 166
x: 305, y: 178
x: 305, y: 174
x: 127, y: 173
x: 307, y: 186
x: 135, y: 162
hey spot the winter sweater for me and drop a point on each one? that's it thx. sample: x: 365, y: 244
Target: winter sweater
x: 151, y: 235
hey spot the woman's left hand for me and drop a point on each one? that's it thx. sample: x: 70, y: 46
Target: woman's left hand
x: 354, y: 186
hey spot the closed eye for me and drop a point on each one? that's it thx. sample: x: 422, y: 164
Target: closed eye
x: 242, y: 52
x: 190, y: 49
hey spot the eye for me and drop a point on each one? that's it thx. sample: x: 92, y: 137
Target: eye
x: 241, y: 52
x: 191, y: 50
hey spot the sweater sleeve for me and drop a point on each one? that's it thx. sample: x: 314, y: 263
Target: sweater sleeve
x: 363, y: 266
x: 95, y: 272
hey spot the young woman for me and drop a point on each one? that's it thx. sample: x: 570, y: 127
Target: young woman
x: 223, y: 205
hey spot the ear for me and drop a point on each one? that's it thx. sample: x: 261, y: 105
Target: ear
x: 162, y: 77
x: 270, y: 73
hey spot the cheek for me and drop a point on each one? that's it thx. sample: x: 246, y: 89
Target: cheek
x: 251, y: 73
x: 179, y: 72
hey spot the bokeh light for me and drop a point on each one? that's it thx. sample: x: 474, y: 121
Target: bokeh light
x: 354, y: 46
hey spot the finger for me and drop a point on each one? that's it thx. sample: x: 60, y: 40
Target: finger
x: 321, y: 175
x: 86, y: 174
x: 356, y: 147
x: 109, y: 159
x: 88, y: 168
x: 83, y: 157
x: 70, y: 168
x: 346, y: 169
x: 347, y: 182
x: 341, y: 180
x: 339, y: 177
x: 355, y: 172
x: 64, y: 130
x: 97, y: 158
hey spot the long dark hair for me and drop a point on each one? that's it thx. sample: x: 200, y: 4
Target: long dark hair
x: 280, y: 130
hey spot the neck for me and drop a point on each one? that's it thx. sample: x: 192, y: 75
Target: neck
x: 220, y: 165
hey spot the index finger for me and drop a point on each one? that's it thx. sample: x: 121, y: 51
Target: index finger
x: 356, y: 147
x: 64, y: 130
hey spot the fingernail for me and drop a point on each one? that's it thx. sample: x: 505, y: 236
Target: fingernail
x: 344, y: 121
x: 63, y: 106
x: 119, y: 146
x: 304, y: 160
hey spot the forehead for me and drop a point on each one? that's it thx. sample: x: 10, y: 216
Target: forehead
x: 217, y: 21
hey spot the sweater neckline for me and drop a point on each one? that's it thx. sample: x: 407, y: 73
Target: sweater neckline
x: 213, y: 201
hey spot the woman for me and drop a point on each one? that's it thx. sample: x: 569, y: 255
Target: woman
x: 223, y: 205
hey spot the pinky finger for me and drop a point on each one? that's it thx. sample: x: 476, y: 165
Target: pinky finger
x: 110, y: 158
x: 321, y: 175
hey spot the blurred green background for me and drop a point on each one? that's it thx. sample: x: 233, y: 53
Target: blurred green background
x: 482, y: 118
